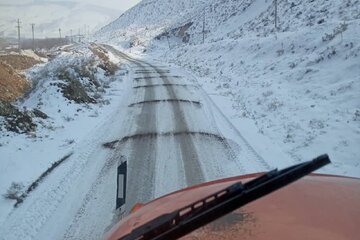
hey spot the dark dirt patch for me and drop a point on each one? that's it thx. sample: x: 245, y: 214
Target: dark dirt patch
x: 39, y: 114
x: 87, y: 69
x: 15, y: 120
x: 109, y: 68
x: 7, y: 109
x: 72, y: 89
x: 19, y: 121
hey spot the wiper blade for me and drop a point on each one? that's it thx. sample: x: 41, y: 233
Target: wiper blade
x: 185, y: 220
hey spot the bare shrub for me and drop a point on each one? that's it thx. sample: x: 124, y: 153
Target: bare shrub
x: 274, y: 105
x: 338, y: 30
x: 316, y: 124
x: 15, y: 192
x: 267, y: 93
x: 356, y: 115
x: 280, y: 52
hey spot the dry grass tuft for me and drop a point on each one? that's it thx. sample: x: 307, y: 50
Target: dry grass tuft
x: 19, y: 62
x: 12, y: 84
x: 108, y: 66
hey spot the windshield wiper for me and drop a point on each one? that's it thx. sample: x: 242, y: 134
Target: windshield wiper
x: 185, y: 220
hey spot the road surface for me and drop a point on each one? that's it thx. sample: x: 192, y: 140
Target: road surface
x: 166, y: 128
x: 172, y: 140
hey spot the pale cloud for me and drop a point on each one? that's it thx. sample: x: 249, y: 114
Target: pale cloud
x: 65, y: 14
x: 118, y: 4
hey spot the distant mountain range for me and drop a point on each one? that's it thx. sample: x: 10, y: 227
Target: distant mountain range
x: 48, y: 17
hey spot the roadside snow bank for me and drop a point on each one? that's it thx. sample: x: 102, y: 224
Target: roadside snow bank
x: 300, y: 88
x: 79, y: 73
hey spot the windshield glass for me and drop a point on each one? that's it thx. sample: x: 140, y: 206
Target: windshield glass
x: 106, y: 106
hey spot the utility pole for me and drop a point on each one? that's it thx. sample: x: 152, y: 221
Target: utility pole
x: 71, y: 37
x: 276, y: 14
x: 19, y: 40
x: 203, y: 31
x: 167, y: 37
x: 60, y: 32
x: 79, y: 36
x: 33, y: 35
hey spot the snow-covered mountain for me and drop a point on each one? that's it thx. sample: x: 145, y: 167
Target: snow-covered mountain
x: 250, y: 97
x: 299, y: 83
x: 48, y: 17
x: 223, y: 19
x: 148, y: 19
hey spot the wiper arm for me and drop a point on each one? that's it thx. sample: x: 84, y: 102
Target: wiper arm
x: 185, y: 220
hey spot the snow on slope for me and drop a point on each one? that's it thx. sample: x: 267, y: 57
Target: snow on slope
x: 24, y: 157
x: 148, y: 19
x: 50, y: 16
x: 299, y: 84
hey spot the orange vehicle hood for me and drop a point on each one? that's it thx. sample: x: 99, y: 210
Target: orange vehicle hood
x: 315, y: 207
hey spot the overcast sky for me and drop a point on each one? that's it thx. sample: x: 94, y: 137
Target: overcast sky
x: 119, y: 4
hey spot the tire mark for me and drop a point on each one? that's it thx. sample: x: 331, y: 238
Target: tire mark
x: 164, y: 85
x: 141, y: 164
x: 193, y: 170
x: 172, y: 100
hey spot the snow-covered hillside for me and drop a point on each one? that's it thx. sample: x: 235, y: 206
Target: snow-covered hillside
x: 299, y: 84
x: 184, y: 91
x: 148, y: 19
x: 48, y: 17
x: 70, y: 95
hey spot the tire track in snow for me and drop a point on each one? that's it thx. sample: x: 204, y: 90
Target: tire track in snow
x: 190, y: 158
x: 143, y: 150
x: 26, y: 221
x: 189, y: 153
x: 141, y: 160
x: 198, y: 158
x: 77, y: 229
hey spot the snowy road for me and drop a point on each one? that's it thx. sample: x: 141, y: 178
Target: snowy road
x: 172, y: 136
x: 172, y: 139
